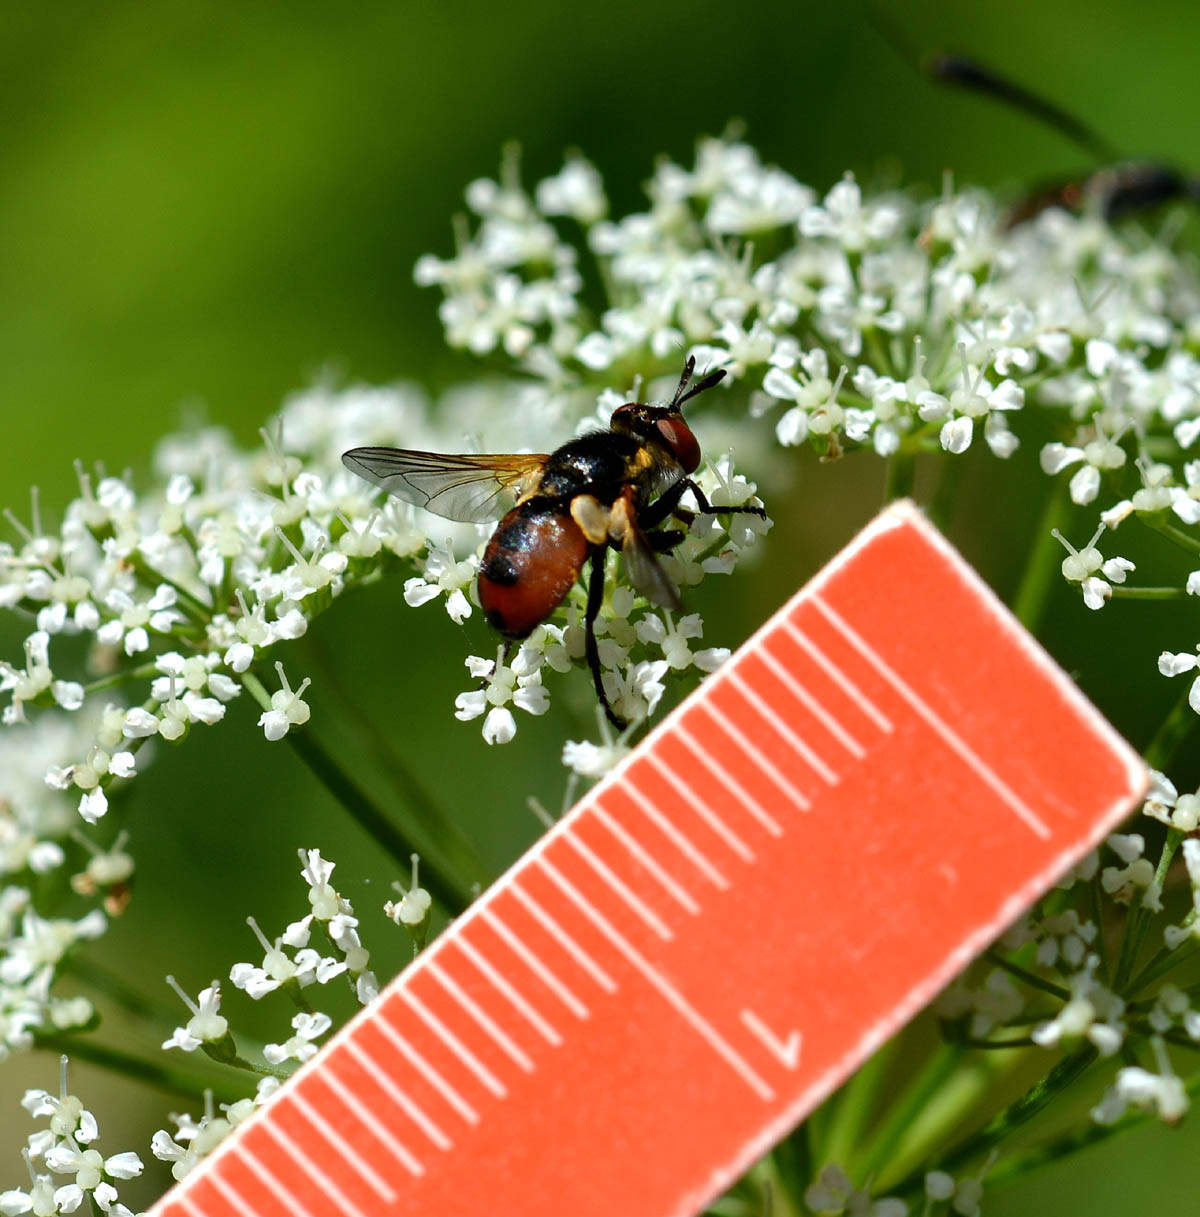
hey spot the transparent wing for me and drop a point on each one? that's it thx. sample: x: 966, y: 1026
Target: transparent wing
x: 472, y: 488
x: 645, y: 572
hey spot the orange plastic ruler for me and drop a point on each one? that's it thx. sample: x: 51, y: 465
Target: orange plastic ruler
x: 788, y: 868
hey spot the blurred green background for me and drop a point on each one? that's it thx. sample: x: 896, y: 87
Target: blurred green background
x: 203, y: 205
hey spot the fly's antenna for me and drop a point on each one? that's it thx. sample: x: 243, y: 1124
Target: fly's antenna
x: 705, y: 382
x: 967, y: 73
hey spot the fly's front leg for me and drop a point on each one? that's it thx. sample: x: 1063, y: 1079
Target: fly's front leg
x: 594, y: 601
x: 705, y: 508
x: 668, y: 502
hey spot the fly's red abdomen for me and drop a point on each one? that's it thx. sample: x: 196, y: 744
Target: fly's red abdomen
x: 530, y: 563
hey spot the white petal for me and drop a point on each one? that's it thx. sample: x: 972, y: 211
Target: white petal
x: 1085, y: 485
x: 499, y: 727
x: 956, y: 434
x: 1172, y: 664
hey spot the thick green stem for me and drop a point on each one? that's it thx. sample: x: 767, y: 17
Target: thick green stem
x: 901, y: 473
x: 1006, y: 1122
x: 1070, y: 1143
x: 444, y: 887
x: 1184, y: 540
x: 1041, y: 568
x: 854, y: 1105
x: 191, y: 1084
x: 904, y: 1113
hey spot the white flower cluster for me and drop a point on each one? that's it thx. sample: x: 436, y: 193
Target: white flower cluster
x: 861, y: 322
x: 66, y: 1170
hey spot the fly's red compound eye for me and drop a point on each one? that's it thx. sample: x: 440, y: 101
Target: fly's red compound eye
x: 678, y: 437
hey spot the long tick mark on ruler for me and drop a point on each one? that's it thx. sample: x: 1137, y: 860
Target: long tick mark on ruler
x: 835, y: 674
x: 657, y: 981
x: 814, y: 707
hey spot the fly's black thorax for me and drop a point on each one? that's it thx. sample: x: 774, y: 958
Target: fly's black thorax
x: 599, y: 464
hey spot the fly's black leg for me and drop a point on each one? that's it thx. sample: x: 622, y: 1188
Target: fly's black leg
x: 666, y: 503
x: 665, y: 539
x: 594, y: 600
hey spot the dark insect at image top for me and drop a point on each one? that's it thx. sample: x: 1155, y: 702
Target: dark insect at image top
x: 603, y: 490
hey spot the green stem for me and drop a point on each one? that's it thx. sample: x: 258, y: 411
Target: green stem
x: 443, y: 886
x: 1148, y: 593
x: 186, y: 1082
x: 1070, y: 1143
x: 1173, y: 731
x: 1164, y: 961
x: 1030, y: 978
x: 1041, y: 568
x: 945, y: 494
x: 1006, y: 1122
x: 901, y: 473
x: 1138, y: 921
x: 905, y: 1111
x: 854, y: 1106
x: 793, y: 1158
x: 1183, y: 539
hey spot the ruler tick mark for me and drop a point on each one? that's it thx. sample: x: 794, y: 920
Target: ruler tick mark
x: 810, y: 703
x: 564, y: 940
x: 424, y: 1068
x: 619, y: 886
x: 481, y: 1016
x: 727, y: 780
x: 685, y: 847
x: 673, y: 889
x: 317, y: 1176
x: 226, y: 1190
x: 752, y: 751
x: 781, y: 728
x: 535, y: 965
x: 693, y: 801
x: 464, y: 1054
x: 347, y: 1151
x: 657, y: 981
x: 369, y: 1120
x: 379, y: 1076
x: 982, y: 769
x: 509, y: 991
x: 839, y: 677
